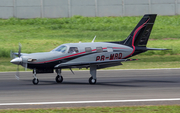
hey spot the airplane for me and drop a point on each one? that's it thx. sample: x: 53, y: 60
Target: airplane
x: 94, y: 55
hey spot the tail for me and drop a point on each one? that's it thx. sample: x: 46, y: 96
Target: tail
x: 140, y: 35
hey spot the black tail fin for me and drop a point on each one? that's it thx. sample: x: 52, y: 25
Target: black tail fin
x: 140, y: 35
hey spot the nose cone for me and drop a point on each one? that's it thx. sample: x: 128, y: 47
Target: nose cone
x: 17, y: 60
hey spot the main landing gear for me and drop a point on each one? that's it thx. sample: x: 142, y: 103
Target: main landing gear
x: 92, y: 79
x: 59, y: 78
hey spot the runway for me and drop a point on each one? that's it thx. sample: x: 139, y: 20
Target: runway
x: 113, y: 88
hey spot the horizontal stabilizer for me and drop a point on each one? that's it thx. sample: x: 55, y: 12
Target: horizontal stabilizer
x: 157, y: 49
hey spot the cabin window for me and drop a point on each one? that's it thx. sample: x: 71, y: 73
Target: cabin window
x: 73, y: 50
x: 109, y: 49
x: 99, y: 49
x: 88, y: 49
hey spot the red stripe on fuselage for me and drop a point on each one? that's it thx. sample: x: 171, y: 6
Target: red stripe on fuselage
x: 73, y: 55
x: 65, y: 57
x: 62, y: 57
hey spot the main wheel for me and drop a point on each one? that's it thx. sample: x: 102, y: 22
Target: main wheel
x: 35, y: 81
x: 92, y: 81
x: 59, y: 79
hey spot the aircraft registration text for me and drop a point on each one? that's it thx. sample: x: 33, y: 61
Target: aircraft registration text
x: 111, y: 57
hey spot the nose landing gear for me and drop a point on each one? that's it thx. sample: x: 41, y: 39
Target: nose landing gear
x: 35, y: 81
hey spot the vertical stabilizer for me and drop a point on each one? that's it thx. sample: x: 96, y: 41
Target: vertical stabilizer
x: 140, y: 35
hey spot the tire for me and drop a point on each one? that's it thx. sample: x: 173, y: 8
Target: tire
x: 92, y: 81
x: 35, y: 81
x: 59, y: 79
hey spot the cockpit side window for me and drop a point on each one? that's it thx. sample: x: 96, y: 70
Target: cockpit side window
x: 60, y: 49
x: 73, y: 50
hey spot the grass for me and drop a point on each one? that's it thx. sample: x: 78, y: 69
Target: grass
x: 39, y: 35
x: 43, y: 34
x: 134, y: 109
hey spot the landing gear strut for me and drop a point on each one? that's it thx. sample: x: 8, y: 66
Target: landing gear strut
x: 59, y: 78
x: 35, y: 81
x: 92, y: 79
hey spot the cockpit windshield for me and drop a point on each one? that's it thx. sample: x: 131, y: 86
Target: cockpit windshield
x: 61, y: 48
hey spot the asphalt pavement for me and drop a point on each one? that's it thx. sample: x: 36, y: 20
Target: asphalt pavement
x: 113, y: 88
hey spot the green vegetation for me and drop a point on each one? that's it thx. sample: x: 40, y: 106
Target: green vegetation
x: 135, y: 109
x: 40, y: 35
x: 43, y: 34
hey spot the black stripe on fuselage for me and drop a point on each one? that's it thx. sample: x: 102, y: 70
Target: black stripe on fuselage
x: 50, y: 65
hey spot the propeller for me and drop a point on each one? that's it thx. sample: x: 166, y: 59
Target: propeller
x: 19, y: 55
x: 17, y: 73
x: 19, y: 52
x: 17, y: 60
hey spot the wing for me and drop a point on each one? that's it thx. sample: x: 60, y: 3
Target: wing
x: 100, y: 64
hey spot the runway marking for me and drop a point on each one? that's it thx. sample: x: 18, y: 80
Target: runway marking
x: 86, y: 102
x: 108, y: 70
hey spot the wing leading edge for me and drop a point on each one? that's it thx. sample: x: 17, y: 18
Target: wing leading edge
x: 100, y: 64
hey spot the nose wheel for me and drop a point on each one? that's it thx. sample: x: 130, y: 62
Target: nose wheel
x: 35, y: 81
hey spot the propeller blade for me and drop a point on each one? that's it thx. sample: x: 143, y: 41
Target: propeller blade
x: 17, y: 73
x: 19, y: 52
x: 12, y: 55
x: 25, y: 67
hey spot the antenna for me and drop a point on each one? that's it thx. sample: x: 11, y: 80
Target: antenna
x: 93, y: 39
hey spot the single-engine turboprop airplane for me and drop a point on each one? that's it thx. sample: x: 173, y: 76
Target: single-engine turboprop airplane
x: 94, y: 55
